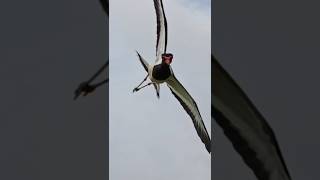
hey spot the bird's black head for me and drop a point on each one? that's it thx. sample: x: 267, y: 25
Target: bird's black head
x: 167, y: 58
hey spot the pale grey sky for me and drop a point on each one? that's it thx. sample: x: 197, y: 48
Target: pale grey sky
x: 151, y: 138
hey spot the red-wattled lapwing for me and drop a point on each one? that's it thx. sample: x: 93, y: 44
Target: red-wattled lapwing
x: 242, y: 123
x: 161, y: 72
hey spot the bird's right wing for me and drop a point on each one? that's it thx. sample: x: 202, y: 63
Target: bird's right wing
x: 246, y: 128
x: 161, y: 29
x: 191, y: 108
x: 144, y: 63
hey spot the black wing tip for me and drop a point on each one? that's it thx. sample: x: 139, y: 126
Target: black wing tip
x: 138, y: 54
x: 242, y: 147
x: 267, y: 127
x: 208, y: 147
x: 207, y: 142
x: 205, y: 138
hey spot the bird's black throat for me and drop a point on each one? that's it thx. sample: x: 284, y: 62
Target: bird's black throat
x: 161, y: 71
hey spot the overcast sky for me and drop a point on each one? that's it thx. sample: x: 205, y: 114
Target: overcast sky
x: 151, y: 138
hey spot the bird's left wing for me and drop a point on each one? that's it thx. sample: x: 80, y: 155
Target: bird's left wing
x: 161, y: 29
x: 192, y: 109
x: 144, y: 63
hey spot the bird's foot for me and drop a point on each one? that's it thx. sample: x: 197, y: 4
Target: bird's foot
x: 84, y: 88
x: 135, y: 90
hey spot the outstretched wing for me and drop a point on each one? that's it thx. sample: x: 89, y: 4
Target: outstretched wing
x: 248, y: 131
x: 144, y: 63
x: 161, y: 29
x: 192, y: 109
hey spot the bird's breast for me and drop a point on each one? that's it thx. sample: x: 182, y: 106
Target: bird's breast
x: 161, y: 72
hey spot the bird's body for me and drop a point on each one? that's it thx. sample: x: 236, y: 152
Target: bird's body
x: 159, y: 73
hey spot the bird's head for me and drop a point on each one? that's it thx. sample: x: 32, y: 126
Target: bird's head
x: 167, y: 58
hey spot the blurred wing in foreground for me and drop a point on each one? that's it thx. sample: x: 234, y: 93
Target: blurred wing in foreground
x: 246, y: 128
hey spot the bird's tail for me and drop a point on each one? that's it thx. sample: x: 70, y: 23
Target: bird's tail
x: 157, y: 87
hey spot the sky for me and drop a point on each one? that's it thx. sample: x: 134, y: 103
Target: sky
x: 154, y: 138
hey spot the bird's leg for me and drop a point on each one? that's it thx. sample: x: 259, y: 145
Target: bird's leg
x: 136, y: 88
x: 100, y: 83
x: 84, y: 88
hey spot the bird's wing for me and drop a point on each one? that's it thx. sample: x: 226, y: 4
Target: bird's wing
x: 161, y: 29
x: 144, y: 63
x: 192, y: 109
x: 157, y: 88
x: 246, y: 128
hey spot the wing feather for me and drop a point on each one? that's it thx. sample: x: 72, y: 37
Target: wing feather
x: 144, y: 63
x: 191, y: 108
x: 249, y: 132
x: 161, y: 29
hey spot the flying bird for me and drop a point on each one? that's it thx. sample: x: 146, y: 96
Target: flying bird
x: 161, y: 72
x: 241, y: 122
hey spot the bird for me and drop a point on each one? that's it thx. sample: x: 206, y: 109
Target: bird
x: 249, y: 143
x: 161, y: 72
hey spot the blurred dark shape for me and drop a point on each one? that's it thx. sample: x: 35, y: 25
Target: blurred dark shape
x: 246, y: 128
x: 85, y: 86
